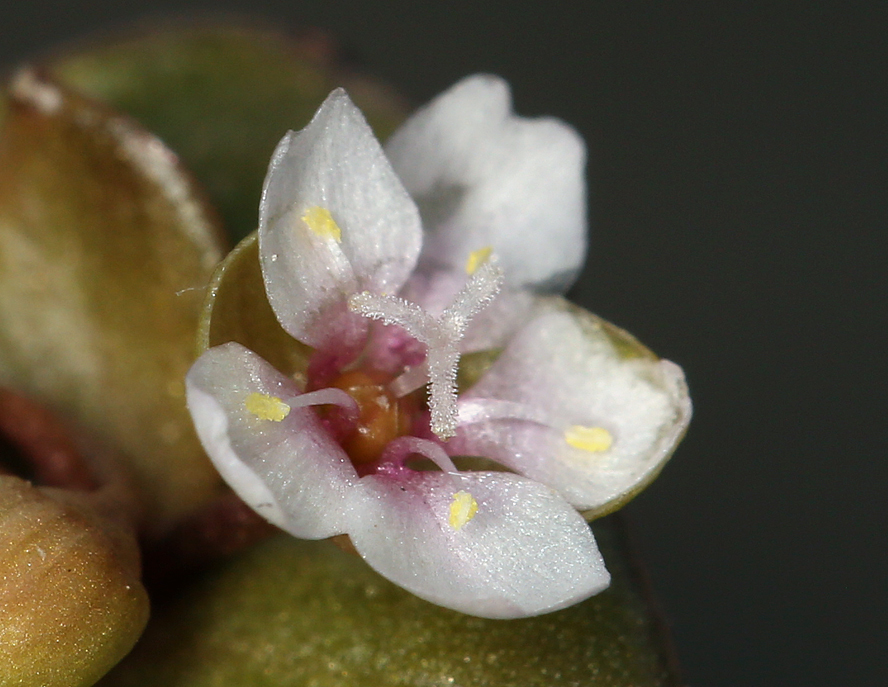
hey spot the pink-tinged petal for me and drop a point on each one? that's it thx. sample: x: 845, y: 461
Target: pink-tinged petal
x: 485, y: 177
x: 563, y: 405
x: 334, y: 165
x: 289, y: 471
x: 524, y: 552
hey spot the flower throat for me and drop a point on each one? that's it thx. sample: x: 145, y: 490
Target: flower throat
x: 373, y: 407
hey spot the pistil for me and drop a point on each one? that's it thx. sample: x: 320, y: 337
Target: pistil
x: 441, y: 335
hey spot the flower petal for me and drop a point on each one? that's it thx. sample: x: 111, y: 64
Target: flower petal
x: 484, y: 177
x: 600, y: 420
x: 525, y: 551
x: 334, y: 219
x: 288, y: 470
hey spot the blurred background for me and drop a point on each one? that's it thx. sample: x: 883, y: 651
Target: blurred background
x: 738, y: 184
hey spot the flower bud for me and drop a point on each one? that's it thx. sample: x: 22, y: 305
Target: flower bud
x: 70, y: 597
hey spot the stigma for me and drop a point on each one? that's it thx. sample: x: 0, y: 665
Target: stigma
x: 441, y: 335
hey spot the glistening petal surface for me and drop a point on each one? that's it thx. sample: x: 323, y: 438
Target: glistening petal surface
x: 335, y: 164
x: 485, y: 177
x: 564, y: 371
x: 525, y: 551
x: 291, y: 471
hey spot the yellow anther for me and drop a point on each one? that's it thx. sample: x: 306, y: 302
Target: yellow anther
x: 267, y: 407
x: 462, y: 509
x: 321, y: 222
x: 592, y: 439
x: 478, y: 258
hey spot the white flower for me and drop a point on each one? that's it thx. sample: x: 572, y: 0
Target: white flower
x: 391, y: 265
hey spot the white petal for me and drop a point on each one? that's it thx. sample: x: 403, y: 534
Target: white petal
x: 564, y: 369
x: 334, y: 163
x: 525, y: 552
x: 291, y: 472
x: 485, y: 177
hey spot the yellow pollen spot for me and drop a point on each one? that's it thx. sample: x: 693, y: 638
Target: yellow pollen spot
x: 478, y: 258
x: 462, y: 509
x: 592, y: 439
x: 321, y: 222
x: 267, y: 407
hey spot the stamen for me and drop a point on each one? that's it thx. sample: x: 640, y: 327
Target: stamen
x: 409, y: 381
x: 475, y: 410
x: 591, y: 439
x: 440, y: 335
x: 321, y: 222
x: 478, y: 258
x: 402, y: 447
x: 266, y: 407
x: 274, y: 409
x: 462, y: 510
x: 329, y: 396
x: 586, y: 438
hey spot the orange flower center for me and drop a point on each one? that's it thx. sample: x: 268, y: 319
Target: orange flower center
x: 382, y: 417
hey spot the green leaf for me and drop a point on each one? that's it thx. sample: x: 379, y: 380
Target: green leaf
x: 295, y: 613
x: 105, y: 250
x: 222, y: 97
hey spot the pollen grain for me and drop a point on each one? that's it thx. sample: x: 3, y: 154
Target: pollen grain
x: 266, y: 407
x: 462, y: 509
x: 321, y: 222
x: 478, y: 258
x: 591, y: 439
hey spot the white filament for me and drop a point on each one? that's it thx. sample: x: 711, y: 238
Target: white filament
x: 475, y: 410
x: 407, y: 445
x: 330, y: 396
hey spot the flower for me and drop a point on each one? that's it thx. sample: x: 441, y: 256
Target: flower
x: 392, y: 265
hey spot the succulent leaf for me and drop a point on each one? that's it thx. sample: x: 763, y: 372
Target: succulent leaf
x: 106, y: 247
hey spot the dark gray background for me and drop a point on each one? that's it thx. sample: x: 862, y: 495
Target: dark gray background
x: 738, y: 195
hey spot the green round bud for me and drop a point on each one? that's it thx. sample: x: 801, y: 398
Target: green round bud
x: 70, y: 596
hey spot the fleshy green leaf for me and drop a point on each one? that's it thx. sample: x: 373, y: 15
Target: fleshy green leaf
x: 293, y: 613
x: 222, y: 97
x: 105, y: 250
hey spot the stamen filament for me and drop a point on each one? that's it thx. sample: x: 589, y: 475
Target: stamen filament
x: 409, y: 381
x: 401, y: 448
x: 329, y: 396
x: 473, y: 410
